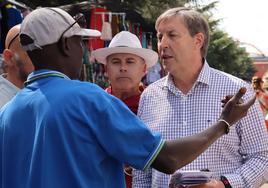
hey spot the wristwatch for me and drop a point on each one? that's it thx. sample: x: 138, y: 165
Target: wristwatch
x: 225, y: 182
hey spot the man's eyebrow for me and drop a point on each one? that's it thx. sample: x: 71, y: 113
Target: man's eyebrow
x: 114, y: 58
x: 130, y: 58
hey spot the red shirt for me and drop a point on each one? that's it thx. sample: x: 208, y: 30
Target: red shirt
x: 133, y: 104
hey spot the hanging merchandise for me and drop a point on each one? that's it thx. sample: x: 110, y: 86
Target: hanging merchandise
x: 130, y: 26
x: 96, y: 23
x: 149, y: 40
x: 122, y: 24
x: 115, y: 24
x: 137, y: 30
x: 106, y: 32
x: 144, y: 40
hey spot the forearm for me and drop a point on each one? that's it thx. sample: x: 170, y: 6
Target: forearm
x: 178, y: 153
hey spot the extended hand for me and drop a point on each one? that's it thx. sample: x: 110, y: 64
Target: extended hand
x: 234, y: 109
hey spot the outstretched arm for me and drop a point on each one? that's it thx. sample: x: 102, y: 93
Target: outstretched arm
x: 178, y: 153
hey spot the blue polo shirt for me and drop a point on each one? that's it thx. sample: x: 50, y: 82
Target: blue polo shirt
x: 60, y: 133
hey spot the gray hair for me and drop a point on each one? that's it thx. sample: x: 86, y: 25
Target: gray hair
x: 193, y: 20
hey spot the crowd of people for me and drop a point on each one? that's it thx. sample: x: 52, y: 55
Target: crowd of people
x: 58, y: 131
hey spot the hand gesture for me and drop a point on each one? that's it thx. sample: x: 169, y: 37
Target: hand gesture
x: 235, y: 109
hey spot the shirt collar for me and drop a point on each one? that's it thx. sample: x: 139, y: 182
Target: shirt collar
x: 203, y: 78
x: 44, y: 73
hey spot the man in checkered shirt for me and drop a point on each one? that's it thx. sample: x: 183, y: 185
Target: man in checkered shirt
x: 188, y: 99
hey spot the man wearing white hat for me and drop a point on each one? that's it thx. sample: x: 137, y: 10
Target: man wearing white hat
x: 65, y: 134
x: 126, y: 63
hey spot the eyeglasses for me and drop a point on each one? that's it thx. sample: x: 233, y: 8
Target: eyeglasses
x: 70, y: 26
x: 12, y: 40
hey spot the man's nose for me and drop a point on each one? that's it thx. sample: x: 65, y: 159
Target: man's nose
x: 123, y: 67
x: 164, y: 42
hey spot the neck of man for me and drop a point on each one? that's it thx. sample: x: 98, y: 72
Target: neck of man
x: 125, y: 93
x: 14, y: 80
x: 185, y: 78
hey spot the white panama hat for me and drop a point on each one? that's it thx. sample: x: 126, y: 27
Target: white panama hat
x: 126, y: 42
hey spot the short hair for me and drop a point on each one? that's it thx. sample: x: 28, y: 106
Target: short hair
x: 193, y: 20
x: 257, y: 80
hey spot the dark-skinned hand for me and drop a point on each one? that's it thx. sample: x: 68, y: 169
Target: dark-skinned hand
x: 234, y: 108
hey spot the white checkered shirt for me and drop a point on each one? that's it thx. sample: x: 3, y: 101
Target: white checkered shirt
x: 241, y: 156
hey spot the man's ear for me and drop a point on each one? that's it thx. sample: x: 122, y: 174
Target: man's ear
x: 145, y: 69
x: 199, y: 40
x: 64, y: 46
x: 8, y: 54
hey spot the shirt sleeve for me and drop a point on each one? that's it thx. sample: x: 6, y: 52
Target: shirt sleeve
x: 254, y: 149
x: 123, y: 135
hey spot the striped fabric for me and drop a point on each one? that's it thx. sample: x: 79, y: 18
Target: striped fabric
x: 241, y: 156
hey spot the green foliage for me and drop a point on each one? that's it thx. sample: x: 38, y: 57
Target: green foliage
x: 225, y: 54
x: 152, y: 9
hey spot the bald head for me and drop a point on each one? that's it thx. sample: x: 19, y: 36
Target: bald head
x: 16, y: 61
x: 12, y: 38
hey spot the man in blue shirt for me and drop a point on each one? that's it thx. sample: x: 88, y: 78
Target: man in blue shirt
x: 73, y: 134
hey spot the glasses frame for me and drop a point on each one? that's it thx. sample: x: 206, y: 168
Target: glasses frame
x: 70, y: 26
x: 12, y: 40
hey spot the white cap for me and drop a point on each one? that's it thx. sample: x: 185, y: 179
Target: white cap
x: 46, y: 25
x: 126, y: 42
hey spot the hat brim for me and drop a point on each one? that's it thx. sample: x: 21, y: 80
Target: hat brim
x: 88, y: 33
x: 150, y: 57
